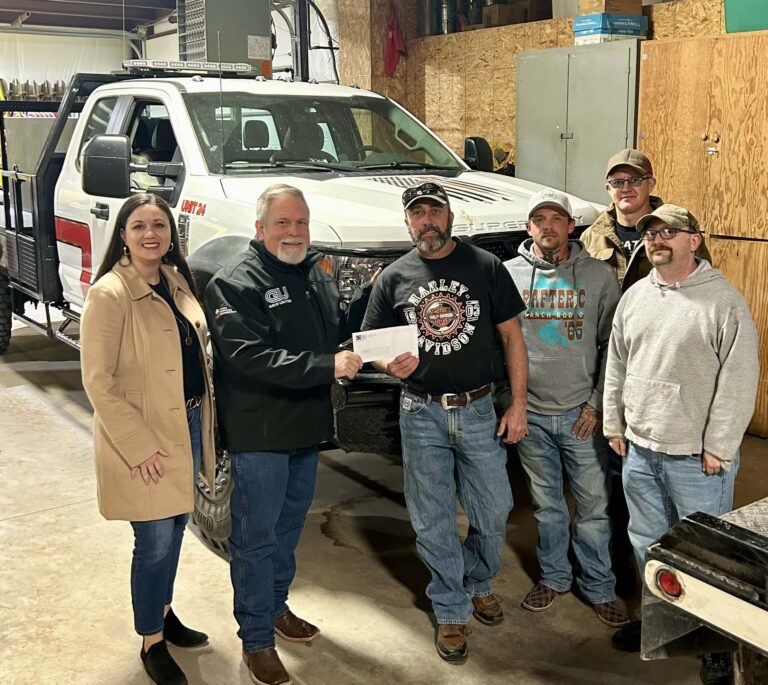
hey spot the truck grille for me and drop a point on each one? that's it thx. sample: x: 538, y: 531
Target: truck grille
x: 503, y: 248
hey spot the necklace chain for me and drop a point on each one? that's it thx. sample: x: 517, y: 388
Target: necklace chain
x: 181, y: 320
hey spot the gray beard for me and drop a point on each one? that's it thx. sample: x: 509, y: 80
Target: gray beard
x: 429, y: 245
x: 291, y: 258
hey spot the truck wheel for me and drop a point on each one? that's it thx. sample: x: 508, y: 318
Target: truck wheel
x: 5, y: 313
x: 212, y: 512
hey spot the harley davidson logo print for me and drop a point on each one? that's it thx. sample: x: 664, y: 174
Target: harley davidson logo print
x: 445, y: 316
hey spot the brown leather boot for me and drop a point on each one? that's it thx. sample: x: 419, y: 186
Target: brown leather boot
x: 265, y: 667
x: 487, y: 609
x: 294, y: 629
x: 451, y: 642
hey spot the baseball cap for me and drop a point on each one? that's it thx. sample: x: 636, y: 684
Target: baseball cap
x: 552, y: 198
x: 673, y: 216
x: 634, y: 159
x: 425, y: 191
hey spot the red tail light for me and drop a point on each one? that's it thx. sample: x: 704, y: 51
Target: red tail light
x: 668, y: 583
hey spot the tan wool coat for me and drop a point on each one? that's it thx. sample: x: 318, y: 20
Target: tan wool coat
x: 133, y: 375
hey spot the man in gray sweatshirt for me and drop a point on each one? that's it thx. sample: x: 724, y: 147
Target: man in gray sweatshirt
x: 680, y: 386
x: 570, y: 299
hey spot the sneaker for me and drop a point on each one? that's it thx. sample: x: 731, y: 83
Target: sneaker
x: 611, y: 613
x: 294, y: 629
x: 487, y: 609
x: 540, y: 598
x: 265, y: 667
x: 627, y: 639
x: 160, y: 666
x: 451, y: 642
x: 178, y: 634
x: 716, y: 668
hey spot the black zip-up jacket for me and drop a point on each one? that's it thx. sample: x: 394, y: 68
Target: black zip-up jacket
x: 275, y: 329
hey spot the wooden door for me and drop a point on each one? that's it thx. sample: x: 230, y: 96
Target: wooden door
x: 745, y: 265
x: 737, y: 202
x: 673, y: 119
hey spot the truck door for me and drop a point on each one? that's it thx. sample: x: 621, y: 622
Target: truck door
x: 147, y: 124
x: 81, y: 220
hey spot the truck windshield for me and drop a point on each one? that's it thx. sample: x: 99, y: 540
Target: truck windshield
x: 249, y: 133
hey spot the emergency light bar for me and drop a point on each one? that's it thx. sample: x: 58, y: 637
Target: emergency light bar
x: 179, y: 65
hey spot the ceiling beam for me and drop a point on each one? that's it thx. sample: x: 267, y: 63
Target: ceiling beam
x: 44, y: 8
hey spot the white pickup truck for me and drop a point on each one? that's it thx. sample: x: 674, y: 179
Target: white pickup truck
x: 210, y: 143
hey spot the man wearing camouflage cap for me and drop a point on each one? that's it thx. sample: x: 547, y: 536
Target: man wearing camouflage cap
x: 614, y: 237
x: 680, y: 389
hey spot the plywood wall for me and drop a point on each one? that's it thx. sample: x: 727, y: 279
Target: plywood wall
x: 463, y: 84
x: 745, y: 265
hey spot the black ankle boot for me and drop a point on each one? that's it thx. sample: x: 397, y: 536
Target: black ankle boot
x: 161, y: 667
x: 178, y: 634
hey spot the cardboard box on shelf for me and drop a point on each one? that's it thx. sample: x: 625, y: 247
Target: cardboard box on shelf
x: 610, y: 22
x: 634, y: 7
x: 603, y: 38
x: 629, y: 33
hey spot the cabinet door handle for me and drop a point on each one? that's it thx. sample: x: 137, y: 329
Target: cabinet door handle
x: 568, y: 135
x: 713, y: 151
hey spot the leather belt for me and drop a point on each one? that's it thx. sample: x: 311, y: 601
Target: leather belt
x: 452, y: 400
x: 194, y: 402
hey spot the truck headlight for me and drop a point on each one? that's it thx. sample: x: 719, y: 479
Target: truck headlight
x: 350, y: 271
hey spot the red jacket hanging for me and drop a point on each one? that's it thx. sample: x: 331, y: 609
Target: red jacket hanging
x: 395, y: 42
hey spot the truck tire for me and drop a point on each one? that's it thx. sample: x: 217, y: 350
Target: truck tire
x: 212, y: 508
x: 5, y: 313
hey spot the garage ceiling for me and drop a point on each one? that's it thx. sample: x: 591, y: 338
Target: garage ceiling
x: 85, y: 14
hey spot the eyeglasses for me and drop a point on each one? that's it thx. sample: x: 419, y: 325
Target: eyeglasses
x: 618, y: 183
x: 666, y: 233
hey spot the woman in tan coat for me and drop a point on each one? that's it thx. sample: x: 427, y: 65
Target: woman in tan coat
x: 143, y: 338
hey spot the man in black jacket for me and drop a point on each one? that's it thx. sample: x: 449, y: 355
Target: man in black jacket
x: 275, y: 322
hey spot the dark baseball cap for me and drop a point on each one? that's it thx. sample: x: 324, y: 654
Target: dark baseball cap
x: 634, y: 159
x: 425, y: 191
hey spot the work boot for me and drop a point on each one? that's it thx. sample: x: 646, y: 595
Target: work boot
x: 716, y: 668
x: 487, y: 609
x: 611, y: 613
x: 540, y: 598
x: 265, y: 667
x: 178, y: 634
x: 160, y: 666
x: 294, y: 629
x: 451, y: 642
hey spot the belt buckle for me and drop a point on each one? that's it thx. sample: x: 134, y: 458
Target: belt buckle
x: 444, y: 401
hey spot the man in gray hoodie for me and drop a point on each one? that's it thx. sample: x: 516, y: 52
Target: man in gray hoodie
x: 680, y: 386
x: 570, y: 298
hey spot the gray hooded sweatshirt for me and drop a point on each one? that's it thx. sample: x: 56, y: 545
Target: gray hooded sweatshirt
x: 567, y: 325
x: 682, y: 366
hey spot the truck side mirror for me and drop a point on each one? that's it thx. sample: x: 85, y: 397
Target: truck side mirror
x: 105, y: 166
x: 478, y: 154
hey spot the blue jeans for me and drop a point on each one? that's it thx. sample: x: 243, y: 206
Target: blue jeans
x: 445, y: 450
x: 271, y: 496
x: 548, y: 447
x: 156, y: 549
x: 662, y: 488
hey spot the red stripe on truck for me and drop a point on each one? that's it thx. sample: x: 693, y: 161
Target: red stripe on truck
x: 77, y: 234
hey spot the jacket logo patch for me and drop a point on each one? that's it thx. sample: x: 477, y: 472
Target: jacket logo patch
x: 277, y: 296
x: 223, y: 311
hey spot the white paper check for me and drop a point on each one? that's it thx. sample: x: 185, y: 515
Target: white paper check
x: 386, y: 343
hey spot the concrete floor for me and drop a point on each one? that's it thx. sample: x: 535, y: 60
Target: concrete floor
x: 65, y: 612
